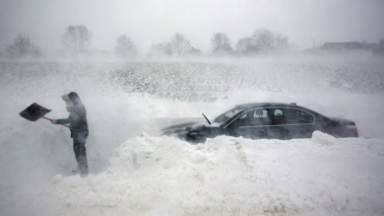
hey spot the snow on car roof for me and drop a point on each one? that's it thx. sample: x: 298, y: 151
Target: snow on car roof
x: 259, y: 104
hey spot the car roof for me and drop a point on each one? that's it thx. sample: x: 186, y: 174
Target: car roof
x: 273, y: 104
x: 264, y: 104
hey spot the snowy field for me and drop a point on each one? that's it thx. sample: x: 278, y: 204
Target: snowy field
x: 136, y: 172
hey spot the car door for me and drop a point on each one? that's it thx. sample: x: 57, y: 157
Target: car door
x: 289, y: 123
x: 252, y: 124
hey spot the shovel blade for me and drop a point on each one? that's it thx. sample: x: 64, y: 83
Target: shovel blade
x: 34, y: 112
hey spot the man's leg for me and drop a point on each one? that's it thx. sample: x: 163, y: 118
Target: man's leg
x: 81, y: 155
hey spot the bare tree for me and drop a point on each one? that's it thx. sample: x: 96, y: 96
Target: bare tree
x: 125, y: 47
x: 244, y: 44
x: 76, y: 39
x: 180, y: 44
x: 22, y: 47
x: 221, y: 44
x: 266, y: 40
x: 282, y: 42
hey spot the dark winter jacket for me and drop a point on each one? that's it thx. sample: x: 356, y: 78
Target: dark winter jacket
x: 77, y: 119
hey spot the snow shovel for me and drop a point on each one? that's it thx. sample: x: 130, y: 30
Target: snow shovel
x: 35, y: 111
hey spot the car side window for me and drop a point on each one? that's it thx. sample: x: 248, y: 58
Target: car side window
x: 260, y: 114
x: 260, y: 117
x: 278, y: 112
x: 279, y: 117
x: 291, y: 116
x: 252, y: 118
x: 306, y: 118
x: 227, y: 115
x: 240, y: 121
x: 244, y: 116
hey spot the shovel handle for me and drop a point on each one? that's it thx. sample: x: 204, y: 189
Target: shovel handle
x: 51, y: 121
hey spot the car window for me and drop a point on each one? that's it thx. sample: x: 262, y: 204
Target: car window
x: 260, y: 117
x: 278, y: 112
x: 240, y: 121
x: 225, y: 116
x: 291, y: 116
x: 306, y: 118
x: 244, y: 116
x: 252, y: 118
x: 260, y: 113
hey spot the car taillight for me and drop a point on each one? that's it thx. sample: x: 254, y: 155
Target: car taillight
x: 354, y: 130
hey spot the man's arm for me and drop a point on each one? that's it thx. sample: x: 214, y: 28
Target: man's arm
x: 62, y: 121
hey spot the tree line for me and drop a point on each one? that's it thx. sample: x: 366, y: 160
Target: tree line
x: 76, y: 41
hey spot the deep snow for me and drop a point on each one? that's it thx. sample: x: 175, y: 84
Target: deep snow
x: 136, y: 172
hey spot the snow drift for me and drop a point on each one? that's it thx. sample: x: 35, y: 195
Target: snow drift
x: 230, y: 176
x: 136, y: 172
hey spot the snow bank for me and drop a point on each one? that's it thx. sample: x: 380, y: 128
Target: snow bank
x: 230, y: 176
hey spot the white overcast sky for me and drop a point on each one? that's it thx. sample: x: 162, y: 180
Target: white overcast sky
x: 149, y: 22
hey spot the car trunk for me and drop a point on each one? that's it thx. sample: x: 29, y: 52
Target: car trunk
x: 347, y: 123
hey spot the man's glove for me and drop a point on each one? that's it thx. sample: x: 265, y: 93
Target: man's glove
x: 54, y: 121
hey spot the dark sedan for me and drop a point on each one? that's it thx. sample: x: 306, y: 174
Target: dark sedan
x: 264, y: 120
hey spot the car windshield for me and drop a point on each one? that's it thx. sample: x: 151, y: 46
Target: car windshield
x: 225, y: 116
